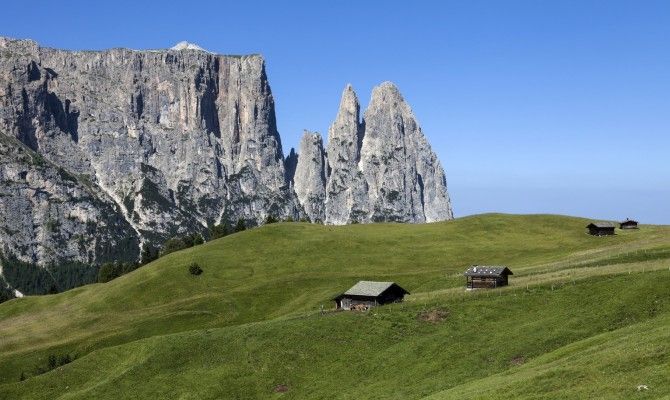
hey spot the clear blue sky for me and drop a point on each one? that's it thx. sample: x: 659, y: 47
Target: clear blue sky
x: 532, y: 106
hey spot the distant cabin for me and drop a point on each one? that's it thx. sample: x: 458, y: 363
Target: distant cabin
x: 628, y: 224
x: 600, y: 228
x: 366, y: 294
x: 483, y: 277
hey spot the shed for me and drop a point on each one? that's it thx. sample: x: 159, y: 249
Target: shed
x: 366, y: 294
x: 601, y: 228
x: 486, y: 277
x: 628, y: 224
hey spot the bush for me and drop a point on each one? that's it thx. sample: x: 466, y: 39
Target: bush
x: 240, y: 225
x: 194, y: 269
x: 270, y: 219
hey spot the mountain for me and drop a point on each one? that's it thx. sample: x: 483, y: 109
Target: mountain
x: 377, y: 169
x: 107, y: 154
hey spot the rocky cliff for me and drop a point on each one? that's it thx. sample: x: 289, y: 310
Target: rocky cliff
x: 109, y: 153
x: 380, y: 168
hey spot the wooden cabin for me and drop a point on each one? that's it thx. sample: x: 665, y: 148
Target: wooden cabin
x: 483, y: 277
x: 366, y: 294
x: 628, y: 224
x: 600, y: 228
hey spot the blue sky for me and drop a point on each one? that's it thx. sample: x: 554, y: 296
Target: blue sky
x: 532, y: 106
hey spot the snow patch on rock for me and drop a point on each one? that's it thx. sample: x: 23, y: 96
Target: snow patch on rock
x: 184, y: 45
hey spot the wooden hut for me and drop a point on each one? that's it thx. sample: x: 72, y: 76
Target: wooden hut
x: 600, y: 228
x: 366, y: 294
x: 484, y: 277
x: 628, y: 224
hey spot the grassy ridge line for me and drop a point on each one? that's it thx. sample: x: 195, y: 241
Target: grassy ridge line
x: 389, y: 353
x: 611, y: 365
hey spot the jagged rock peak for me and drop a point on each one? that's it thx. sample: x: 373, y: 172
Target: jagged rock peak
x: 382, y: 168
x: 184, y: 45
x: 311, y: 175
x: 349, y: 105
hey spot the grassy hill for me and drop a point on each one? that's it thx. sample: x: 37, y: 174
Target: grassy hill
x: 578, y: 307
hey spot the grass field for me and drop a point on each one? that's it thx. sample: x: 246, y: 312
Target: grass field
x: 584, y: 317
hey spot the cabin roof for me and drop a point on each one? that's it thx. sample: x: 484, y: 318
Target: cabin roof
x: 370, y: 288
x: 601, y: 224
x: 629, y: 221
x: 480, y: 271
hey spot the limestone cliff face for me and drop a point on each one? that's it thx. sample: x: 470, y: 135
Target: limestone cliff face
x: 107, y: 153
x: 381, y: 168
x: 346, y: 190
x: 310, y: 176
x: 176, y: 139
x: 52, y: 218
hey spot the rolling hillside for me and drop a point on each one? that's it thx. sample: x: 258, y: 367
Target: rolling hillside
x: 583, y: 317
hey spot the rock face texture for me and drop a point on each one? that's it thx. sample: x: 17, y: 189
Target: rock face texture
x: 309, y: 180
x: 177, y: 139
x: 50, y: 217
x: 378, y: 169
x: 109, y: 153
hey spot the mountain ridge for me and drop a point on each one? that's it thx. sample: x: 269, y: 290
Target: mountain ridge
x: 177, y: 141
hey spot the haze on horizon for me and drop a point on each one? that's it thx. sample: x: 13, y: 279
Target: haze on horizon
x: 532, y: 107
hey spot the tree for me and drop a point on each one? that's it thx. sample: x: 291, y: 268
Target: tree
x: 108, y: 271
x: 218, y: 231
x: 240, y: 225
x: 270, y: 219
x: 127, y: 267
x: 172, y: 245
x: 197, y: 239
x: 149, y: 254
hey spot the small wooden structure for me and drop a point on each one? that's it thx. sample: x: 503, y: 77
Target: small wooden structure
x: 601, y: 228
x: 628, y: 224
x: 366, y: 294
x: 484, y: 277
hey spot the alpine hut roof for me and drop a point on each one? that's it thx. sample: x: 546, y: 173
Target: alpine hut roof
x: 601, y: 224
x: 479, y: 271
x: 370, y: 288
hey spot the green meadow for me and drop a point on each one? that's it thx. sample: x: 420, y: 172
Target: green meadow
x: 583, y: 317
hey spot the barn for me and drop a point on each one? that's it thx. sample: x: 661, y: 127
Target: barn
x: 366, y: 294
x: 486, y: 277
x: 600, y: 228
x: 628, y: 224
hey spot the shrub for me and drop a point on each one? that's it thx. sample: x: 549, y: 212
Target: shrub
x: 240, y: 225
x: 194, y: 269
x: 270, y: 219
